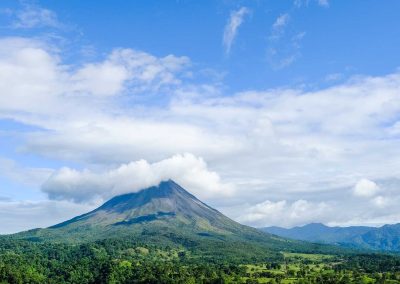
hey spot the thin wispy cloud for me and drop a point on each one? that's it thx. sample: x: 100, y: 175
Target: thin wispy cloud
x: 281, y: 22
x: 333, y: 77
x: 283, y: 48
x: 31, y: 16
x: 301, y: 3
x: 324, y: 3
x: 278, y: 27
x: 235, y: 21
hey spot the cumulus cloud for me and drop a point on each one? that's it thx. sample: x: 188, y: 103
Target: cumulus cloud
x: 281, y: 134
x: 366, y: 188
x: 235, y: 21
x: 282, y: 213
x: 103, y: 79
x: 137, y: 70
x: 312, y: 145
x: 189, y: 171
x: 36, y: 81
x: 27, y: 67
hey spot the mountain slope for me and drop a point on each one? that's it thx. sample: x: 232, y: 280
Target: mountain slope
x: 168, y: 215
x: 386, y: 238
x: 164, y: 204
x: 167, y: 205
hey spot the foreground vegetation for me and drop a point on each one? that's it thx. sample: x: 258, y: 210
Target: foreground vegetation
x: 127, y: 261
x: 317, y: 268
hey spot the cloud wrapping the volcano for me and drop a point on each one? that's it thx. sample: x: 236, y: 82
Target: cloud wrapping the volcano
x: 86, y: 185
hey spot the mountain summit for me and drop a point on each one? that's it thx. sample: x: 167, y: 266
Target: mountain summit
x: 167, y: 204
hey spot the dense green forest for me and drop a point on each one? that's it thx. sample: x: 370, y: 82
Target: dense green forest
x: 128, y: 261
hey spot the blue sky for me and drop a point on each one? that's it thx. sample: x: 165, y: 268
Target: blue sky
x: 345, y: 37
x: 267, y: 108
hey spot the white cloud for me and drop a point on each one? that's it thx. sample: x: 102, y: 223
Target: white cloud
x: 28, y: 176
x: 83, y: 186
x: 35, y: 17
x: 251, y: 135
x: 235, y: 21
x: 281, y: 22
x: 380, y: 201
x: 283, y: 62
x: 16, y: 216
x: 324, y: 3
x: 333, y: 77
x: 103, y: 79
x: 365, y: 188
x: 102, y: 139
x: 281, y: 213
x: 309, y: 145
x: 26, y: 67
x: 278, y: 27
x: 35, y: 82
x: 283, y: 47
x: 131, y: 69
x: 301, y: 3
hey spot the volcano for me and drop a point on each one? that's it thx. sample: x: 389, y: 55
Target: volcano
x: 166, y: 214
x: 166, y: 206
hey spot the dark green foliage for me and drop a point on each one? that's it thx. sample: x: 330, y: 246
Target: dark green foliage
x: 372, y: 263
x: 128, y: 261
x: 107, y: 261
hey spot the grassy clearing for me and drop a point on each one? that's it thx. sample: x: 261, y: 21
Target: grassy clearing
x: 308, y: 256
x: 311, y: 268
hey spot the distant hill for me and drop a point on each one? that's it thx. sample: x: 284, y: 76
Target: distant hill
x: 168, y: 215
x: 317, y: 232
x: 385, y: 238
